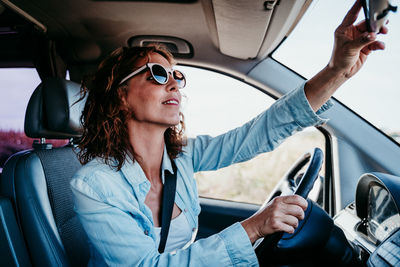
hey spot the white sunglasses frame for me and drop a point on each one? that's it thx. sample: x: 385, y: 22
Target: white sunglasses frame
x: 150, y: 65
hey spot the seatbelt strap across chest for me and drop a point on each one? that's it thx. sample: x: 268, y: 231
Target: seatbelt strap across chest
x: 168, y: 201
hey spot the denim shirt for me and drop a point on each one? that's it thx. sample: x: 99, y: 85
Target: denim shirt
x: 120, y: 228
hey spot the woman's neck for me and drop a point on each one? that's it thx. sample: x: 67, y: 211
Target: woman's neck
x: 148, y: 145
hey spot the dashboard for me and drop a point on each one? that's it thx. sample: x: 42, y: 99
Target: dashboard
x: 372, y: 222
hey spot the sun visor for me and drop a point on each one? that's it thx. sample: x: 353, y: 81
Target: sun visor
x: 249, y: 29
x: 284, y: 20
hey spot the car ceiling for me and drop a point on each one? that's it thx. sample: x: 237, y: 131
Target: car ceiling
x: 228, y: 35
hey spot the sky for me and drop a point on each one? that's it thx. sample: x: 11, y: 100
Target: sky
x: 374, y: 92
x: 17, y: 87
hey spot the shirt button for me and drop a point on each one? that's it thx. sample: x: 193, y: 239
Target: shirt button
x: 185, y: 210
x: 194, y: 229
x: 146, y: 232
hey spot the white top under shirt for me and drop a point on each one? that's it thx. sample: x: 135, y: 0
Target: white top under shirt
x: 180, y: 234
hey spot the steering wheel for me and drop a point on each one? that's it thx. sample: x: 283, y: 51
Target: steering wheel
x: 315, y: 159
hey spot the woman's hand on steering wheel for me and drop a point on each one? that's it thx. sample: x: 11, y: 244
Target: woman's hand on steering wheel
x: 282, y: 214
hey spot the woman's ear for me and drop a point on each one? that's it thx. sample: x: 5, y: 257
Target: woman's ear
x: 123, y: 101
x: 122, y: 94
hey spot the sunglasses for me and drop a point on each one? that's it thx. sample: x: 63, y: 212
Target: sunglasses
x: 160, y: 74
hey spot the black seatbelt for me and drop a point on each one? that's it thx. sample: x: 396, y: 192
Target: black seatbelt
x: 167, y: 205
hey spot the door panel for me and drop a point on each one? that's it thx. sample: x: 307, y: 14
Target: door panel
x: 216, y: 215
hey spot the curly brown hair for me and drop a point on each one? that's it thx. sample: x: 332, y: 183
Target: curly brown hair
x: 105, y: 132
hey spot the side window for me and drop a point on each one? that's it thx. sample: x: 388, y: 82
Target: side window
x: 17, y: 86
x: 215, y: 104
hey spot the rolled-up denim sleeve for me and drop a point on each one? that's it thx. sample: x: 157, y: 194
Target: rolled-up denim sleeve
x: 301, y: 110
x: 119, y: 240
x: 290, y: 114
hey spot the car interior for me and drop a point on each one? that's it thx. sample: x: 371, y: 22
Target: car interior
x: 354, y: 220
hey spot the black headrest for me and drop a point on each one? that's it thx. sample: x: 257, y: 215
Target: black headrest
x: 52, y: 110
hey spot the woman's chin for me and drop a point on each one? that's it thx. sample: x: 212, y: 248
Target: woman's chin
x: 176, y: 120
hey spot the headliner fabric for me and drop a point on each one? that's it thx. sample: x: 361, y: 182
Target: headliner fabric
x: 59, y: 165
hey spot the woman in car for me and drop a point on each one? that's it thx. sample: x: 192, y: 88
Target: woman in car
x: 133, y: 133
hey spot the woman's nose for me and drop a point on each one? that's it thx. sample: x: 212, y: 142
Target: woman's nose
x: 172, y: 83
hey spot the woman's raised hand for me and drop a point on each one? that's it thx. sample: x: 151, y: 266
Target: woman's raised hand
x: 353, y: 43
x: 282, y: 214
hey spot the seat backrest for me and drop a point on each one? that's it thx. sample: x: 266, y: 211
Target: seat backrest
x: 37, y: 180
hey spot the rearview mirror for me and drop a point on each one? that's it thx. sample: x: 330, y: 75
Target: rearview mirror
x: 376, y: 13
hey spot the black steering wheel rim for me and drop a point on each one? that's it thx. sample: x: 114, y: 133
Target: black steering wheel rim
x: 311, y: 174
x: 315, y: 159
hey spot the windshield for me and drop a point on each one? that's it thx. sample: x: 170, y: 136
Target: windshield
x: 374, y: 92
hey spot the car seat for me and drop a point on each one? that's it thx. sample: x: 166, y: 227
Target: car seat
x: 37, y: 180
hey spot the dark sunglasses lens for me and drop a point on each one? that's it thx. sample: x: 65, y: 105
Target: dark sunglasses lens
x: 160, y: 74
x: 180, y: 78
